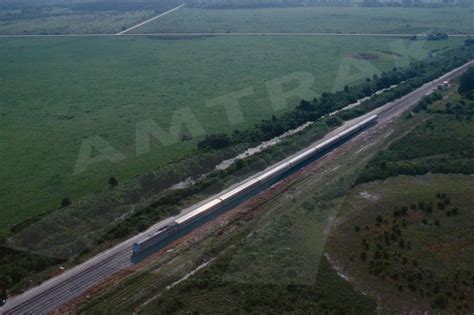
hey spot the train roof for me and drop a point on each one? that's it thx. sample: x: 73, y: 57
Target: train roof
x: 238, y: 189
x: 198, y: 211
x: 154, y: 233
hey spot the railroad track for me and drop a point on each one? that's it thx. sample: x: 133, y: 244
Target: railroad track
x: 107, y: 266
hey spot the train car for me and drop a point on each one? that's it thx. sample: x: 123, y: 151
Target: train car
x: 198, y: 213
x: 372, y: 119
x: 347, y: 133
x: 327, y: 143
x: 239, y: 190
x: 303, y: 156
x: 154, y: 238
x: 331, y: 141
x: 274, y: 172
x: 207, y: 208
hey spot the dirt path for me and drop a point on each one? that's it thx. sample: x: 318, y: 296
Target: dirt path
x: 149, y: 20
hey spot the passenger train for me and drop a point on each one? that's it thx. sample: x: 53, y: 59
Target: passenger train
x: 261, y: 179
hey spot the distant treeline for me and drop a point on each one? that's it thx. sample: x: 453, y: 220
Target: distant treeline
x: 30, y: 7
x: 133, y: 5
x: 123, y: 5
x: 416, y: 3
x: 466, y: 84
x: 253, y: 4
x: 241, y: 4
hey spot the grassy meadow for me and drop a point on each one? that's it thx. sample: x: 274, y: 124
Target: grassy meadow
x: 101, y: 22
x: 41, y: 17
x: 454, y: 20
x: 57, y: 92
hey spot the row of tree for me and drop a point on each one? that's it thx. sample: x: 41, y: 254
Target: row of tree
x: 466, y: 84
x: 311, y: 110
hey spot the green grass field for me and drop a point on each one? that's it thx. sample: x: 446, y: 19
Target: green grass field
x: 75, y: 23
x: 43, y: 17
x: 316, y: 19
x: 58, y: 92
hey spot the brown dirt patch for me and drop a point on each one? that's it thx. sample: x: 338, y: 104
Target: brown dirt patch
x: 449, y: 250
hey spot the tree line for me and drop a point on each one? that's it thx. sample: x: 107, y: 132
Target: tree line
x: 466, y: 84
x: 407, y: 80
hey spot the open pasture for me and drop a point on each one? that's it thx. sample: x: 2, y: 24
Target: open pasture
x: 387, y: 20
x: 59, y: 92
x: 75, y: 23
x: 46, y: 17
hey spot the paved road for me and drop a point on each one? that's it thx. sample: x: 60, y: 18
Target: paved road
x: 73, y: 282
x: 220, y: 34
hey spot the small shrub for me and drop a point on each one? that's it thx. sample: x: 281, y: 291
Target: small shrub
x: 440, y: 301
x: 65, y: 202
x: 113, y: 181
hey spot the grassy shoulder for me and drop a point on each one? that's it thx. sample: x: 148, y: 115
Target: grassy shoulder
x: 331, y: 295
x: 245, y: 274
x: 316, y: 19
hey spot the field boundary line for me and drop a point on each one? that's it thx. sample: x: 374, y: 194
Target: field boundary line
x: 220, y: 34
x: 149, y: 20
x: 286, y: 34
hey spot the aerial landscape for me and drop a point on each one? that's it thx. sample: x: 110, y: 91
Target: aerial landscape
x: 237, y: 156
